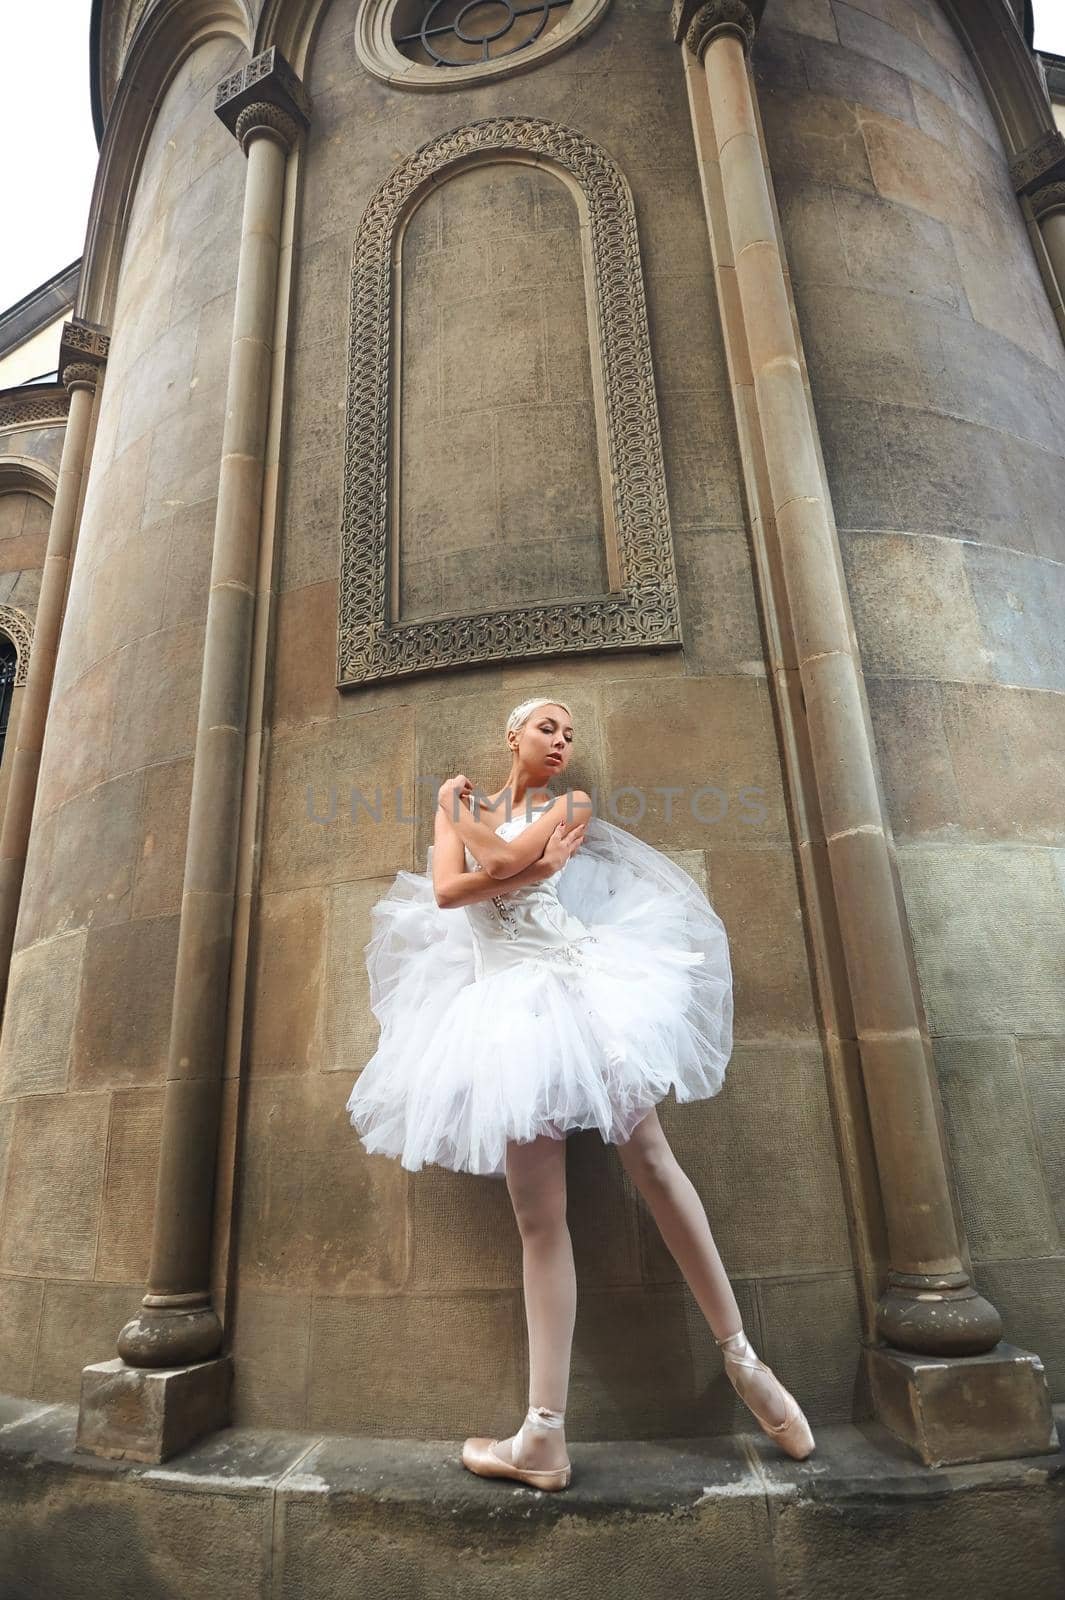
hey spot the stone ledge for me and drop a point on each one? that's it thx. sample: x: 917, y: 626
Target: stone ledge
x: 281, y: 1515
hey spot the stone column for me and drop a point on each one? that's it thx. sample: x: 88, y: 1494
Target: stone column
x: 83, y: 351
x: 929, y: 1306
x: 128, y: 1407
x: 1048, y: 204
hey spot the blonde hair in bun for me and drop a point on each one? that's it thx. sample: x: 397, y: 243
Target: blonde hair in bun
x: 521, y: 714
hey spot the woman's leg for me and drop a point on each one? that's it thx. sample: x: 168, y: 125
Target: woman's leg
x: 681, y: 1218
x: 536, y: 1180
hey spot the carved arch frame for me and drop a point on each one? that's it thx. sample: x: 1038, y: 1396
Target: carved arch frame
x: 643, y: 610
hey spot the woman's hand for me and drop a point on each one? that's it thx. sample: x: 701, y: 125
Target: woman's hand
x: 459, y: 785
x: 561, y: 845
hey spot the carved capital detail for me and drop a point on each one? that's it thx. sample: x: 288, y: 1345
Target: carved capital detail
x: 1043, y: 163
x: 695, y: 23
x: 81, y: 375
x: 261, y: 117
x: 19, y: 629
x: 1051, y: 198
x: 264, y: 97
x: 720, y: 16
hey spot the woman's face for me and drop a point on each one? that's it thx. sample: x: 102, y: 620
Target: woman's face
x: 545, y: 744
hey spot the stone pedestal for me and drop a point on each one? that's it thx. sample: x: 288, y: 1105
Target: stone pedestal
x: 139, y: 1414
x: 985, y: 1408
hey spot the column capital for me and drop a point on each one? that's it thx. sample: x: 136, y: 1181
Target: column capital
x: 1041, y: 164
x: 80, y: 375
x: 263, y: 97
x: 1048, y: 199
x: 696, y: 24
x: 83, y: 349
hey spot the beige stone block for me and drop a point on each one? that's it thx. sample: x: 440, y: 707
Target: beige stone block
x: 157, y: 698
x: 271, y: 1344
x: 856, y: 344
x: 304, y: 665
x: 811, y: 1333
x: 896, y: 250
x: 188, y: 567
x: 993, y: 1148
x: 919, y: 783
x: 951, y: 476
x: 719, y: 612
x: 314, y: 1211
x: 894, y: 40
x: 55, y: 1173
x: 915, y: 170
x: 914, y: 612
x: 158, y: 382
x: 710, y: 738
x: 1003, y: 297
x: 36, y: 882
x: 365, y: 1351
x: 756, y: 894
x: 116, y: 1044
x: 365, y: 767
x: 78, y: 735
x: 23, y: 546
x: 846, y: 75
x: 41, y: 1002
x: 140, y: 1414
x: 160, y: 860
x: 739, y: 1150
x: 92, y: 886
x: 1043, y: 1069
x: 1028, y: 1296
x: 311, y: 520
x: 549, y: 482
x: 350, y: 1031
x: 290, y: 956
x: 127, y: 1212
x: 704, y: 481
x: 987, y: 929
x: 79, y: 1325
x: 818, y: 136
x: 813, y: 17
x: 185, y: 455
x: 114, y: 500
x: 463, y: 1236
x: 20, y: 1327
x: 1008, y: 752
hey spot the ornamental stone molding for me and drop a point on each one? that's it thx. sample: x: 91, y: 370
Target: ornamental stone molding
x: 721, y: 16
x: 264, y: 96
x: 1045, y: 201
x: 1041, y: 164
x: 19, y: 629
x: 378, y: 52
x: 644, y: 611
x: 696, y: 22
x: 81, y: 375
x: 34, y: 408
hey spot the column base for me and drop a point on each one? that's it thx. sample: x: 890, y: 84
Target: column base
x: 149, y: 1414
x: 953, y: 1409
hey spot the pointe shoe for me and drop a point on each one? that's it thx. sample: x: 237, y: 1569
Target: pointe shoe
x: 480, y: 1457
x: 793, y: 1434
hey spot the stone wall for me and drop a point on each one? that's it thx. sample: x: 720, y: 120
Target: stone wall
x: 83, y: 1050
x: 372, y: 1299
x: 938, y: 375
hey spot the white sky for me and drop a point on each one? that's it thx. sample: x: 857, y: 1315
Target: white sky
x: 45, y: 119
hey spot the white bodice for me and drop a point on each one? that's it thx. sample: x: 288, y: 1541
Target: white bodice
x: 527, y: 921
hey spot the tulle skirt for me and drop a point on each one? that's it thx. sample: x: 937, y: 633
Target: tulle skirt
x: 642, y: 1006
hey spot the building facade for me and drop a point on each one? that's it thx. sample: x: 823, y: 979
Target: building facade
x: 706, y: 370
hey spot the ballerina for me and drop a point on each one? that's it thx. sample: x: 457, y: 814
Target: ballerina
x: 587, y: 977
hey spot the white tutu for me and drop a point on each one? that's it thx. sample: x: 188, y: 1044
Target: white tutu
x: 577, y: 1003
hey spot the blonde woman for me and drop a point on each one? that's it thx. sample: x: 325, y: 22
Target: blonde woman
x: 549, y: 972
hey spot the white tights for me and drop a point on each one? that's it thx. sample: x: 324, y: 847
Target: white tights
x: 536, y: 1180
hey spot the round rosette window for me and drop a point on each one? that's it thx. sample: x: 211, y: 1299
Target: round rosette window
x: 439, y: 44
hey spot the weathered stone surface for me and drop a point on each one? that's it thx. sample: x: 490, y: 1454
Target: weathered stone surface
x: 132, y: 1414
x: 54, y: 1175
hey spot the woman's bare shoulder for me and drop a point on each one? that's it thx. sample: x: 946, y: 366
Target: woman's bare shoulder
x: 575, y: 806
